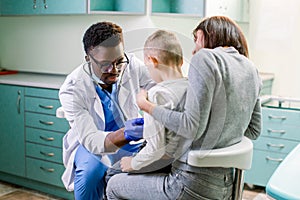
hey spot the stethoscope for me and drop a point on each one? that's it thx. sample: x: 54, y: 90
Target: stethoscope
x: 97, y: 82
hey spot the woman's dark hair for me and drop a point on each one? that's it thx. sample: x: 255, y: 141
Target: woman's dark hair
x: 105, y: 34
x: 222, y: 31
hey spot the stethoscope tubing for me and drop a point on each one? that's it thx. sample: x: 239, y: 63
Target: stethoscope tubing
x: 123, y: 117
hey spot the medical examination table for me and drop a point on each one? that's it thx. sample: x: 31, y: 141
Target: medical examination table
x: 284, y: 183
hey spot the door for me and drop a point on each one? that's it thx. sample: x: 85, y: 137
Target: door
x: 63, y: 6
x: 34, y: 7
x: 12, y: 145
x: 18, y: 7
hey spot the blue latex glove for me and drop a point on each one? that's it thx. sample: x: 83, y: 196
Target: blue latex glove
x: 134, y: 129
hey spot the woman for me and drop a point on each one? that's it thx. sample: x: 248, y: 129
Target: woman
x: 222, y: 105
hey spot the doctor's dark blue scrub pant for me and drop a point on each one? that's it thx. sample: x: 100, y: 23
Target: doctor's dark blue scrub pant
x: 89, y: 180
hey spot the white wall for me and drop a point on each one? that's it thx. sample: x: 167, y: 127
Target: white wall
x: 53, y: 44
x: 274, y: 32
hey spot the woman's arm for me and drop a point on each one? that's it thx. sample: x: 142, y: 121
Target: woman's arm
x: 254, y: 128
x: 193, y: 120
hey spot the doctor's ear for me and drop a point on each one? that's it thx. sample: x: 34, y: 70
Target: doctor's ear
x: 87, y: 58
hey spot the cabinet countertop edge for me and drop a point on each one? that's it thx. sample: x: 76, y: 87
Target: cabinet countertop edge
x: 41, y: 80
x: 265, y: 76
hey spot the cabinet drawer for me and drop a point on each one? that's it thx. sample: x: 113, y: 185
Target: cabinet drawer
x: 41, y: 105
x: 281, y: 131
x: 281, y: 116
x: 274, y: 144
x: 44, y: 152
x: 49, y: 138
x: 44, y: 171
x: 41, y: 92
x: 264, y: 164
x: 47, y: 122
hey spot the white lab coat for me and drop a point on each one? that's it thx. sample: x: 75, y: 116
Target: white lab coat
x: 84, y: 111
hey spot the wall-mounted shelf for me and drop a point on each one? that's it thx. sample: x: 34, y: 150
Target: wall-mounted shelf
x: 133, y: 7
x: 238, y: 10
x: 178, y: 7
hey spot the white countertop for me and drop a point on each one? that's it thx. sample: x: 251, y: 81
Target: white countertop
x: 52, y: 81
x: 266, y: 76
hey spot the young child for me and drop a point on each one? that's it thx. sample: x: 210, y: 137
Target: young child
x: 163, y: 58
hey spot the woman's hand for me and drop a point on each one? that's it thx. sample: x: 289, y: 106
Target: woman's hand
x: 126, y: 164
x: 143, y: 103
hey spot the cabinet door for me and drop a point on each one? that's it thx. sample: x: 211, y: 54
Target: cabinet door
x: 62, y: 6
x: 18, y: 7
x: 12, y: 146
x: 264, y: 163
x: 33, y: 7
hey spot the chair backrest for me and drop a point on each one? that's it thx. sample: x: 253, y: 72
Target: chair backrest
x: 236, y: 156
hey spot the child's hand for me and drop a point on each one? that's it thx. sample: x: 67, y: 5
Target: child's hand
x: 126, y: 164
x: 143, y: 103
x: 141, y: 98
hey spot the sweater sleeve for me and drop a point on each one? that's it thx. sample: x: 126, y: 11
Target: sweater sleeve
x: 254, y: 127
x: 154, y: 131
x: 193, y: 121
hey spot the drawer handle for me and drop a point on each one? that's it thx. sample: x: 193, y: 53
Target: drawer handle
x: 46, y: 107
x: 275, y: 145
x: 277, y: 117
x: 276, y: 131
x: 47, y: 138
x: 47, y: 169
x: 19, y: 101
x: 47, y: 154
x: 274, y: 159
x: 46, y: 123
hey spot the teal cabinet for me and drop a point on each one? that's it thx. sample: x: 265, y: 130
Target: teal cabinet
x: 18, y: 7
x: 266, y: 87
x: 280, y: 134
x: 12, y: 148
x: 267, y: 81
x: 35, y: 7
x: 44, y: 133
x: 31, y: 139
x: 63, y: 6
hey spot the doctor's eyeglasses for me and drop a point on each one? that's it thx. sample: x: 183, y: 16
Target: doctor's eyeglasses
x: 107, y: 67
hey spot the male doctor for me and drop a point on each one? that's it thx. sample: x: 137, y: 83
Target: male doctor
x: 98, y: 98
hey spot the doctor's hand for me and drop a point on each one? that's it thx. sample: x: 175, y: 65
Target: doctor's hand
x: 126, y: 164
x: 134, y: 129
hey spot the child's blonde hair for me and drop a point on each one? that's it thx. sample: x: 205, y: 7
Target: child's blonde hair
x: 165, y: 45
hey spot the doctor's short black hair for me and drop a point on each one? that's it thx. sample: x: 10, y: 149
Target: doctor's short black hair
x: 105, y: 34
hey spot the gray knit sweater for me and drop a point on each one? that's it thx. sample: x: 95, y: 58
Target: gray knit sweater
x: 222, y: 101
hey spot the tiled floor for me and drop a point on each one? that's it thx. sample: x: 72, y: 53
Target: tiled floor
x: 254, y: 193
x: 12, y: 192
